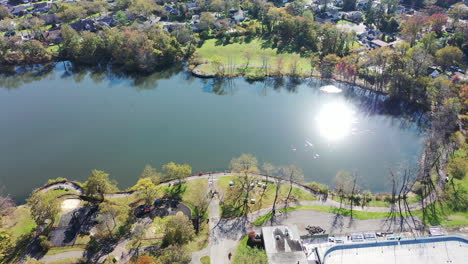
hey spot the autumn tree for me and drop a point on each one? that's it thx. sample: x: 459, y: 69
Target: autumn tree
x: 438, y: 21
x: 327, y: 65
x: 146, y: 259
x: 152, y: 173
x: 177, y: 171
x: 448, y: 56
x: 412, y: 28
x: 199, y: 199
x: 247, y: 167
x: 111, y: 217
x: 6, y: 243
x: 4, y: 12
x: 178, y: 230
x: 147, y: 190
x: 207, y: 21
x: 142, y: 7
x: 44, y: 207
x: 173, y: 255
x: 99, y: 184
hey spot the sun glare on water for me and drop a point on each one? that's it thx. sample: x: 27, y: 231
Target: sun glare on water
x: 335, y: 120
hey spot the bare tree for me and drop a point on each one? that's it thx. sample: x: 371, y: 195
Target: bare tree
x: 290, y: 173
x: 5, y: 202
x: 247, y: 166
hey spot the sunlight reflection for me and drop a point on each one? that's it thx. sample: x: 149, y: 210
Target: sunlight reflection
x: 335, y: 120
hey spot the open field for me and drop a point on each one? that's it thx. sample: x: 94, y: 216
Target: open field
x: 249, y: 57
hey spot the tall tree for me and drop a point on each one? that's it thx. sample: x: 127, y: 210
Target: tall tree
x: 449, y: 56
x: 247, y: 166
x: 412, y: 28
x: 99, y: 184
x: 178, y: 231
x: 111, y: 217
x: 152, y: 173
x: 291, y: 174
x: 199, y: 199
x: 177, y: 171
x: 438, y: 21
x: 147, y: 190
x: 44, y: 207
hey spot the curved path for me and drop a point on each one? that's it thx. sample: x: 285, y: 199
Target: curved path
x: 328, y: 202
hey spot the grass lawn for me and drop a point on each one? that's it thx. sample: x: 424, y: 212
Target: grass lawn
x: 345, y: 212
x: 19, y: 222
x: 205, y: 260
x: 257, y: 49
x: 245, y: 254
x: 264, y: 198
x: 124, y: 200
x: 440, y: 213
x: 342, y: 21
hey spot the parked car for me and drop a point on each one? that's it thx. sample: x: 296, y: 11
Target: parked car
x: 357, y: 237
x: 339, y: 240
x: 370, y: 236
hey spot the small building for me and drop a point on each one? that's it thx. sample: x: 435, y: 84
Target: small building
x: 377, y: 43
x: 283, y: 245
x: 52, y: 36
x: 84, y: 25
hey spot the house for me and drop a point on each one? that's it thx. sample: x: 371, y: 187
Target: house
x: 172, y: 10
x: 355, y: 16
x: 42, y: 7
x: 107, y: 21
x: 377, y: 43
x: 224, y: 22
x: 84, y: 25
x: 237, y: 15
x: 18, y: 10
x: 195, y: 19
x: 50, y: 19
x: 52, y: 36
x: 192, y: 6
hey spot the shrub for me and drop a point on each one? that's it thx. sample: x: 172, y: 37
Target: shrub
x: 44, y: 243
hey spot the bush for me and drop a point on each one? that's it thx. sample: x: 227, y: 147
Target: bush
x: 59, y: 179
x: 44, y: 243
x: 94, y: 245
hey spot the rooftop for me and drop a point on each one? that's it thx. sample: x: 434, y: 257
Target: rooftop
x: 282, y: 245
x: 446, y: 249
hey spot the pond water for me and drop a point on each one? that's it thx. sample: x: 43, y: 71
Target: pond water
x: 63, y: 122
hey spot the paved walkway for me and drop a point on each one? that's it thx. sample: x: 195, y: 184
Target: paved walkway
x: 328, y: 202
x: 64, y: 255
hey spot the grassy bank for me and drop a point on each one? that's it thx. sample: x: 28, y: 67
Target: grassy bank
x: 263, y: 197
x: 248, y: 57
x: 19, y: 222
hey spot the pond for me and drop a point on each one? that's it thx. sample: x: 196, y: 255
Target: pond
x: 60, y: 121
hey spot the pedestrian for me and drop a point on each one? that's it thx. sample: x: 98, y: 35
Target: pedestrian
x: 229, y: 255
